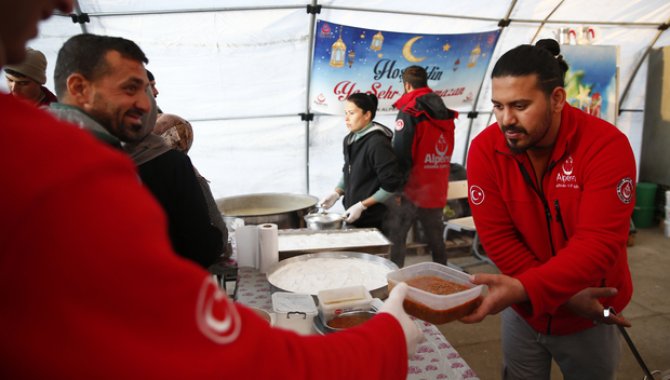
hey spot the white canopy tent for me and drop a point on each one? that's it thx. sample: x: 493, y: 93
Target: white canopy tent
x: 239, y: 70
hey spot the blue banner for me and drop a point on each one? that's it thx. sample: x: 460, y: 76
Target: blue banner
x: 349, y: 59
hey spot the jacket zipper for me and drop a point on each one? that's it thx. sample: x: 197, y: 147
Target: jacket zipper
x: 547, y: 212
x: 559, y: 219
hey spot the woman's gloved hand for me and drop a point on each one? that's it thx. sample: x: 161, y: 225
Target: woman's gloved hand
x: 329, y: 200
x: 393, y: 306
x: 354, y: 212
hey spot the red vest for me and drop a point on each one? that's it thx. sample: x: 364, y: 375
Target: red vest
x: 432, y: 147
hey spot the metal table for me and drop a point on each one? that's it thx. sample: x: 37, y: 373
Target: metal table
x: 435, y: 358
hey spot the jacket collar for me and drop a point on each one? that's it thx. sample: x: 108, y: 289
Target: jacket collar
x: 370, y: 128
x: 410, y: 97
x: 80, y: 118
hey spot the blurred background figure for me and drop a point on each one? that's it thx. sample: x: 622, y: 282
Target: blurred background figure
x: 26, y: 80
x: 177, y: 133
x: 423, y: 141
x: 154, y: 90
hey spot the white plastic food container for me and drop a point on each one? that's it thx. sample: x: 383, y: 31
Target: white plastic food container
x: 434, y: 308
x: 333, y: 302
x: 294, y: 312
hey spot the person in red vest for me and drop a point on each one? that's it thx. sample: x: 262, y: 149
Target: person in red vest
x: 423, y: 142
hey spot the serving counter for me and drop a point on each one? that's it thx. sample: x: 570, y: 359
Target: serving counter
x: 435, y: 358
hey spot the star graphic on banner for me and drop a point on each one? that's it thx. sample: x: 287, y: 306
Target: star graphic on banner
x: 446, y: 47
x: 583, y: 95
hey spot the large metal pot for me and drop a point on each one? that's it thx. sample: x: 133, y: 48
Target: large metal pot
x: 284, y: 209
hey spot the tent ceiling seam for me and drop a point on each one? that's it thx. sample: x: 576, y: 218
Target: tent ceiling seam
x: 191, y: 10
x: 292, y: 7
x: 544, y: 22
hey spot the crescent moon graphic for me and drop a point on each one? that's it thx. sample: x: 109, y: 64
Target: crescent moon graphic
x: 220, y: 330
x: 407, y: 50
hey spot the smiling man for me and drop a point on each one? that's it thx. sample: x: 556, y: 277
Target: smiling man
x: 551, y: 191
x: 102, y: 86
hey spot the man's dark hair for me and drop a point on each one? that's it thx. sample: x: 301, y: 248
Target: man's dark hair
x: 366, y: 102
x: 543, y: 60
x: 15, y: 73
x: 151, y: 76
x: 85, y: 54
x: 416, y: 76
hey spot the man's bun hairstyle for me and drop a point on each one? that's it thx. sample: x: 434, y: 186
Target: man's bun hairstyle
x: 543, y: 59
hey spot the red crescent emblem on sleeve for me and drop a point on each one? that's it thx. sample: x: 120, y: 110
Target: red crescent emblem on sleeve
x: 216, y: 316
x: 476, y: 195
x: 399, y: 124
x: 624, y: 190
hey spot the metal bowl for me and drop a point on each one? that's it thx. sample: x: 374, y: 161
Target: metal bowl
x: 348, y: 319
x: 324, y: 221
x: 379, y: 292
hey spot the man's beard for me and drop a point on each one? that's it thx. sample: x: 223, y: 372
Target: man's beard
x: 512, y: 146
x: 532, y: 144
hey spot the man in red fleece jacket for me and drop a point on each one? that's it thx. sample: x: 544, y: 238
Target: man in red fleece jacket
x: 90, y: 288
x: 551, y: 191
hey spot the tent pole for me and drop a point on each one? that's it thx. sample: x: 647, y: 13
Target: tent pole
x: 309, y: 116
x: 77, y: 8
x: 661, y: 29
x: 194, y: 10
x: 544, y: 22
x: 473, y: 114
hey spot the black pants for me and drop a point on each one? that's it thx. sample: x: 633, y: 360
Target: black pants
x: 401, y: 218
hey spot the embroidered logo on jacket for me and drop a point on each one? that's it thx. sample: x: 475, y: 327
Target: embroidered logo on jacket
x: 439, y: 159
x: 624, y: 190
x: 399, y: 124
x: 565, y: 177
x: 216, y: 315
x: 476, y: 195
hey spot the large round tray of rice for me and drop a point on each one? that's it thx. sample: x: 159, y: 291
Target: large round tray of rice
x: 308, y: 274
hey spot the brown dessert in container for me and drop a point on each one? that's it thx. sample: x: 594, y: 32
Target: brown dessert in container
x: 437, y: 294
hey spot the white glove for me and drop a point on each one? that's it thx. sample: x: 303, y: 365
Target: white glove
x: 393, y: 306
x: 329, y: 200
x: 354, y: 212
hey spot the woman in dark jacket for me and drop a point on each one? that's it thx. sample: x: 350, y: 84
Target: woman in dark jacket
x: 370, y: 174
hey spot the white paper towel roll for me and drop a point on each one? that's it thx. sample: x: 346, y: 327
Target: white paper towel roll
x: 269, y: 252
x: 246, y: 238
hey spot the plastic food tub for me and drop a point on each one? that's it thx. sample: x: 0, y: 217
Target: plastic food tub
x: 333, y: 302
x: 294, y: 311
x: 434, y: 308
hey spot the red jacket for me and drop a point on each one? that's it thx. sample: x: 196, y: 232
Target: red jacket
x: 424, y: 142
x: 570, y: 235
x: 90, y: 288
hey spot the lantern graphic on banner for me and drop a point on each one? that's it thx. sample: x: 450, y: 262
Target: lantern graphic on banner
x: 350, y: 58
x: 338, y: 50
x: 474, y: 56
x: 377, y: 42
